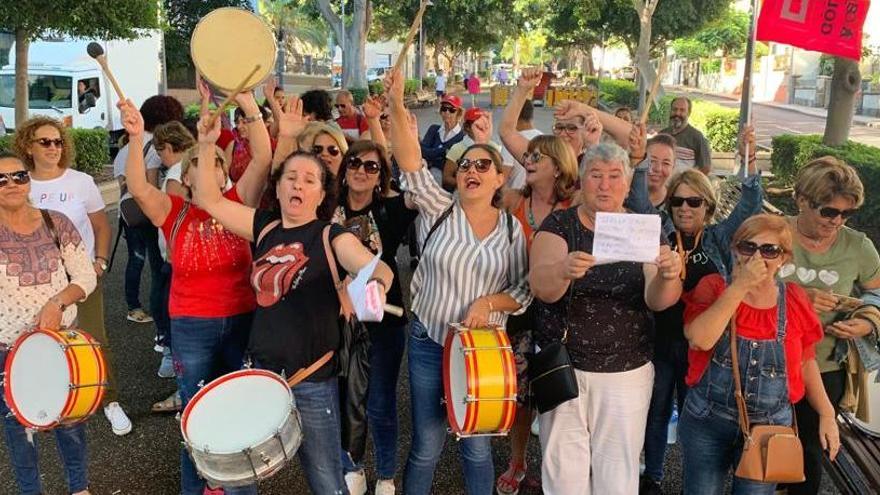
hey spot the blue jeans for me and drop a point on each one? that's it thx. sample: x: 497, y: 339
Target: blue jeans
x: 160, y: 312
x: 386, y: 353
x: 204, y: 349
x: 669, y: 373
x: 429, y: 424
x: 143, y: 245
x: 72, y: 448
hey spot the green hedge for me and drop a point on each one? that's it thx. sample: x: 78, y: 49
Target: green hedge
x: 92, y: 149
x: 411, y: 86
x: 359, y: 95
x: 376, y: 87
x: 428, y: 82
x: 619, y: 92
x: 790, y: 153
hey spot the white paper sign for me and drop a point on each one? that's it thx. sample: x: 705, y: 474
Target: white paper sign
x: 626, y: 237
x: 366, y: 300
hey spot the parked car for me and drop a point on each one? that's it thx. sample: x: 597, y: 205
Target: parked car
x: 376, y: 74
x: 627, y: 73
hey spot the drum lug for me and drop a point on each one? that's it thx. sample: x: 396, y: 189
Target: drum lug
x: 201, y: 384
x: 265, y: 459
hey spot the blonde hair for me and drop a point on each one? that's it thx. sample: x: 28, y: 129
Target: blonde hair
x: 24, y: 138
x: 697, y: 181
x: 315, y: 129
x: 762, y: 223
x: 826, y: 178
x: 564, y: 159
x: 173, y: 134
x: 190, y: 158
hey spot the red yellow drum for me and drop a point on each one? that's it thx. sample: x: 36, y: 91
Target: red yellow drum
x: 479, y: 380
x: 54, y: 378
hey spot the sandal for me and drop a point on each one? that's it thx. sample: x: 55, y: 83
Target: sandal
x: 172, y: 404
x: 509, y: 481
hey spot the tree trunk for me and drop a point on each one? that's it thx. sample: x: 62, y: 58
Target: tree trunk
x: 22, y: 42
x: 643, y: 57
x: 844, y: 85
x: 354, y: 72
x: 435, y: 56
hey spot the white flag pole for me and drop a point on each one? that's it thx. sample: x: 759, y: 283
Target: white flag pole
x: 745, y: 106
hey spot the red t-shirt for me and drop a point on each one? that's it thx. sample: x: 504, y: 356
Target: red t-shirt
x: 211, y: 266
x: 226, y: 137
x: 353, y: 127
x: 802, y: 329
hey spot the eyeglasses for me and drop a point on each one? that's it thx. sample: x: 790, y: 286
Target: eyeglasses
x: 447, y: 109
x: 340, y: 105
x: 569, y: 128
x: 831, y: 213
x: 768, y: 251
x: 692, y: 201
x: 482, y: 165
x: 19, y: 178
x: 371, y: 167
x: 532, y: 157
x: 333, y: 150
x: 46, y: 142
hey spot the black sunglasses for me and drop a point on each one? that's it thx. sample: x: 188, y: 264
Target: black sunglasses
x: 371, y: 167
x: 46, y: 142
x: 447, y: 109
x: 768, y: 251
x: 692, y: 201
x: 482, y: 165
x: 384, y: 116
x: 829, y: 212
x: 19, y: 178
x: 569, y: 128
x: 341, y: 105
x: 333, y: 150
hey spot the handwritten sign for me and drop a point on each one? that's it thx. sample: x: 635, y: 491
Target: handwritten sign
x: 626, y: 237
x: 365, y: 295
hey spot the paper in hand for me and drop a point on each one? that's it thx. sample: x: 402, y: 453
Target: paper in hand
x: 626, y: 237
x: 365, y: 296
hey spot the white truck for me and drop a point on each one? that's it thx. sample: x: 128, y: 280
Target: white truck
x: 65, y: 83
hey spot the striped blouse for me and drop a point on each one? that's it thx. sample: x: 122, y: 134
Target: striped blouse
x: 456, y: 267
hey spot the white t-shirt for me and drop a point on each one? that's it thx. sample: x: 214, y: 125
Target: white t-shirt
x: 517, y: 178
x: 151, y: 160
x: 76, y: 196
x: 440, y: 83
x: 173, y: 173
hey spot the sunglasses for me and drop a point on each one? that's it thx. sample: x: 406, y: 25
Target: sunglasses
x: 384, y: 116
x: 371, y: 167
x: 482, y: 165
x: 447, y: 109
x: 692, y: 201
x: 569, y: 128
x: 532, y: 157
x: 831, y: 213
x: 768, y: 251
x: 19, y: 178
x: 46, y: 142
x: 333, y: 150
x: 342, y: 105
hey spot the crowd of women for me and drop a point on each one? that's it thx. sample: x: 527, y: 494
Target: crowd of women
x: 255, y: 231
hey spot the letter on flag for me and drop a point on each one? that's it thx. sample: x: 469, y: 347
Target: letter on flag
x: 828, y: 26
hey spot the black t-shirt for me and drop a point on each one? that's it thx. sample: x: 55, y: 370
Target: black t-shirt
x: 610, y: 324
x: 381, y: 226
x: 670, y: 322
x: 297, y: 316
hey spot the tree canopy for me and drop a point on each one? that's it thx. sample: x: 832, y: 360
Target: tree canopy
x: 80, y: 18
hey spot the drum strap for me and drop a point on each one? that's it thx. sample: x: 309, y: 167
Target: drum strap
x: 304, y: 373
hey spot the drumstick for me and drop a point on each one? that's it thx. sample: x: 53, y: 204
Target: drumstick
x: 394, y: 310
x: 411, y: 36
x: 232, y: 96
x: 97, y: 52
x: 654, y: 87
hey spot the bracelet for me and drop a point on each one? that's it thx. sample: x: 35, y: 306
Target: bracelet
x: 491, y: 306
x: 253, y: 118
x: 59, y: 302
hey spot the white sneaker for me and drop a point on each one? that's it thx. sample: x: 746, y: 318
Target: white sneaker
x: 385, y: 487
x: 356, y: 481
x: 118, y: 419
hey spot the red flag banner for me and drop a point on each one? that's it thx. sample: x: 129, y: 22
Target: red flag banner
x: 829, y: 26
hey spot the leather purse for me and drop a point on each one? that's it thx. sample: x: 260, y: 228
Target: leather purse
x: 551, y: 376
x: 771, y: 453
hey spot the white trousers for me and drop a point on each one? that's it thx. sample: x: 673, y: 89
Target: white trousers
x: 591, y: 444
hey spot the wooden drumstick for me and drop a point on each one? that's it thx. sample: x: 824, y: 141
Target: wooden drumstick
x: 394, y: 310
x: 232, y: 96
x: 654, y: 87
x: 412, y: 35
x: 97, y: 52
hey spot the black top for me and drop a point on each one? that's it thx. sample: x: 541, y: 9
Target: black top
x: 381, y: 226
x: 669, y: 323
x: 610, y: 325
x: 297, y: 316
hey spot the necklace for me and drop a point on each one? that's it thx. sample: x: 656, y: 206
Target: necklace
x: 684, y: 253
x: 531, y: 216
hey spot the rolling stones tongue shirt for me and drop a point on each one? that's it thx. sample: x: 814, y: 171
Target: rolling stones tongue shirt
x: 210, y: 265
x: 296, y: 321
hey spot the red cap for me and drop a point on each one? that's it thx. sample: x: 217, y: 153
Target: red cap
x: 472, y: 114
x: 452, y: 100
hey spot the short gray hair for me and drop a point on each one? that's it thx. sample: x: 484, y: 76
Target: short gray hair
x: 606, y: 152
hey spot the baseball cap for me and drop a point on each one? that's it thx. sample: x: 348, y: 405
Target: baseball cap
x: 452, y: 100
x: 472, y: 114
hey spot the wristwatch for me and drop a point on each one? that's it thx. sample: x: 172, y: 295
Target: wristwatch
x: 57, y: 300
x: 102, y: 262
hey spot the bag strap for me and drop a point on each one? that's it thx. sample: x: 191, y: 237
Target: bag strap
x: 345, y: 306
x: 738, y: 390
x: 268, y: 228
x: 306, y: 372
x: 178, y: 222
x: 443, y: 216
x: 50, y: 224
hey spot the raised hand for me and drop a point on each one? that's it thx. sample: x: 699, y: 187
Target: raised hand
x: 750, y: 273
x: 668, y: 264
x: 208, y: 135
x: 269, y: 88
x: 747, y: 137
x: 570, y: 109
x: 592, y: 129
x: 291, y: 121
x: 132, y: 120
x: 373, y: 107
x: 530, y: 78
x: 482, y: 129
x: 638, y: 142
x: 394, y: 86
x: 247, y: 103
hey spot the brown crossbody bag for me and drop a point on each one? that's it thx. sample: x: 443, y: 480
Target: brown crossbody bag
x: 771, y: 453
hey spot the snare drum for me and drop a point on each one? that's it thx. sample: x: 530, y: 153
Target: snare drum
x: 54, y: 378
x: 479, y: 380
x: 241, y: 428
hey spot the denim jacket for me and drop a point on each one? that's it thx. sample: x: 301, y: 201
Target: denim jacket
x: 868, y: 346
x: 716, y: 237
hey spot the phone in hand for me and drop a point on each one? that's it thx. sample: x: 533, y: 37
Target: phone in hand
x: 846, y: 304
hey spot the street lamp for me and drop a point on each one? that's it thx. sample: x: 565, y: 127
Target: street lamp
x: 421, y: 60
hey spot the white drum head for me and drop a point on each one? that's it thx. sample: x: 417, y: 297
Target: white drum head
x: 39, y: 379
x: 238, y: 411
x: 457, y: 380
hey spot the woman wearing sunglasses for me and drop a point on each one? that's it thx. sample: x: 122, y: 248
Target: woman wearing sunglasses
x: 380, y: 219
x: 831, y: 260
x: 777, y: 331
x: 326, y: 142
x: 47, y: 150
x: 42, y: 290
x: 439, y: 138
x: 472, y: 270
